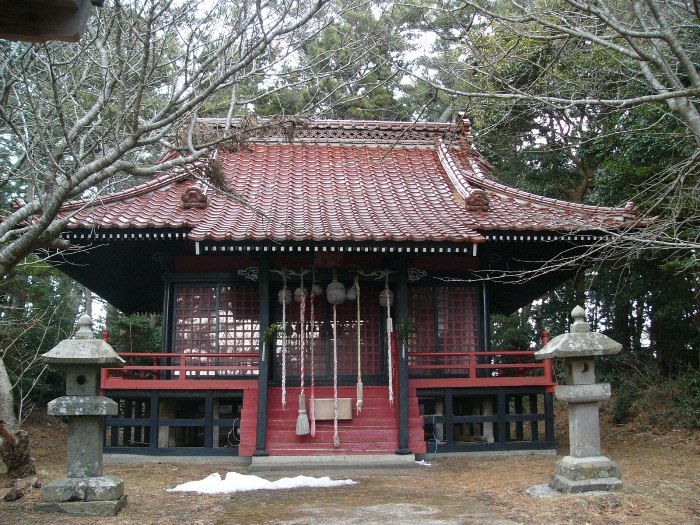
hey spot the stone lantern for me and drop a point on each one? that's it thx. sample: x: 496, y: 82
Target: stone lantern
x: 584, y: 469
x: 85, y: 491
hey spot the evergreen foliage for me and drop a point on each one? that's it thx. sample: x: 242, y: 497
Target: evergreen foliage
x: 38, y: 308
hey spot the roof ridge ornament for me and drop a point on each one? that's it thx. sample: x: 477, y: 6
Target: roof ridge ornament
x: 464, y: 125
x: 631, y: 210
x: 194, y: 197
x: 477, y: 200
x: 473, y: 157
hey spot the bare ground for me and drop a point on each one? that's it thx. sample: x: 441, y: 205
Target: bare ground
x: 661, y: 474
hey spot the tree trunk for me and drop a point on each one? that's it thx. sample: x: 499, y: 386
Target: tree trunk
x: 579, y: 287
x: 14, y: 452
x: 7, y: 400
x: 21, y: 489
x: 88, y: 302
x: 622, y: 313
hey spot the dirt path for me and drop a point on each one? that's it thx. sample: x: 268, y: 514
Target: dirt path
x: 407, y: 496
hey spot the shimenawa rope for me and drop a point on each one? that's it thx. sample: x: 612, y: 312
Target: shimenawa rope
x: 302, y: 418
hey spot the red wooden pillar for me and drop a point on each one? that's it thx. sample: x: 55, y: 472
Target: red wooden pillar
x: 548, y: 372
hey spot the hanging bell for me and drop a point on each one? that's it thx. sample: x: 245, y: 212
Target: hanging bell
x: 351, y: 293
x: 298, y: 293
x: 386, y: 297
x: 335, y: 292
x: 284, y: 296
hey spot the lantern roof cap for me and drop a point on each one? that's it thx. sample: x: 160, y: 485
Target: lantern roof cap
x: 580, y: 341
x: 83, y: 349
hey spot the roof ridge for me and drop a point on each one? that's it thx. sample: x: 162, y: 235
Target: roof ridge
x: 134, y: 191
x: 170, y: 175
x: 362, y: 124
x: 471, y: 197
x: 364, y: 132
x: 480, y: 179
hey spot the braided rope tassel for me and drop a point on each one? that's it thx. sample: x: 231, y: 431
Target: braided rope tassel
x: 389, y: 331
x: 302, y: 418
x: 336, y: 438
x: 302, y: 330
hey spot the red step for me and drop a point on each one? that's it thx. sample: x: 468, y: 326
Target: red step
x: 373, y: 431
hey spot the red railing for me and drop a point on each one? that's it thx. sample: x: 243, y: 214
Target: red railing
x: 166, y: 370
x: 497, y: 366
x: 201, y: 371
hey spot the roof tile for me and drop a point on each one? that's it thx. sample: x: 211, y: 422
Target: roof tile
x: 330, y: 185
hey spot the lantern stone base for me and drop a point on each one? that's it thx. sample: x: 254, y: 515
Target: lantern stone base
x: 574, y: 475
x: 84, y: 508
x: 95, y: 496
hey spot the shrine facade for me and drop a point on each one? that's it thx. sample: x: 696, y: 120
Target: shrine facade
x: 330, y: 294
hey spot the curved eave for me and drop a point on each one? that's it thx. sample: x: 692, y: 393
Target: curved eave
x: 577, y: 216
x: 162, y: 180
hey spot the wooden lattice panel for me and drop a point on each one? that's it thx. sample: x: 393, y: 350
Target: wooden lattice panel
x: 372, y: 340
x: 218, y: 320
x: 446, y: 322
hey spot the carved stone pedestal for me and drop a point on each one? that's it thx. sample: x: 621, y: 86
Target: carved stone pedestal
x: 585, y: 474
x: 584, y: 469
x: 85, y: 491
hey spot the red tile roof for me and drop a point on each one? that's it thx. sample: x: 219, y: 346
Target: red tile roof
x: 346, y: 181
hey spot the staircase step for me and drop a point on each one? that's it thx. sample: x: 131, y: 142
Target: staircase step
x: 373, y: 431
x: 350, y: 435
x: 366, y: 408
x: 332, y: 461
x: 328, y: 425
x: 324, y: 449
x: 367, y: 393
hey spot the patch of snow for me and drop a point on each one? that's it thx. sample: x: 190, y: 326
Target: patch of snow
x: 235, y: 482
x: 543, y: 491
x: 423, y: 463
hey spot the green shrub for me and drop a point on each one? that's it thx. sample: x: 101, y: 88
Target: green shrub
x: 623, y: 404
x: 687, y: 400
x: 643, y: 393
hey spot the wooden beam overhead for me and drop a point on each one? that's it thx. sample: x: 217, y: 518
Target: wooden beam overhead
x: 44, y: 20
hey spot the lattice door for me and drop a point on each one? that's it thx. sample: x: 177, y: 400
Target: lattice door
x: 373, y: 340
